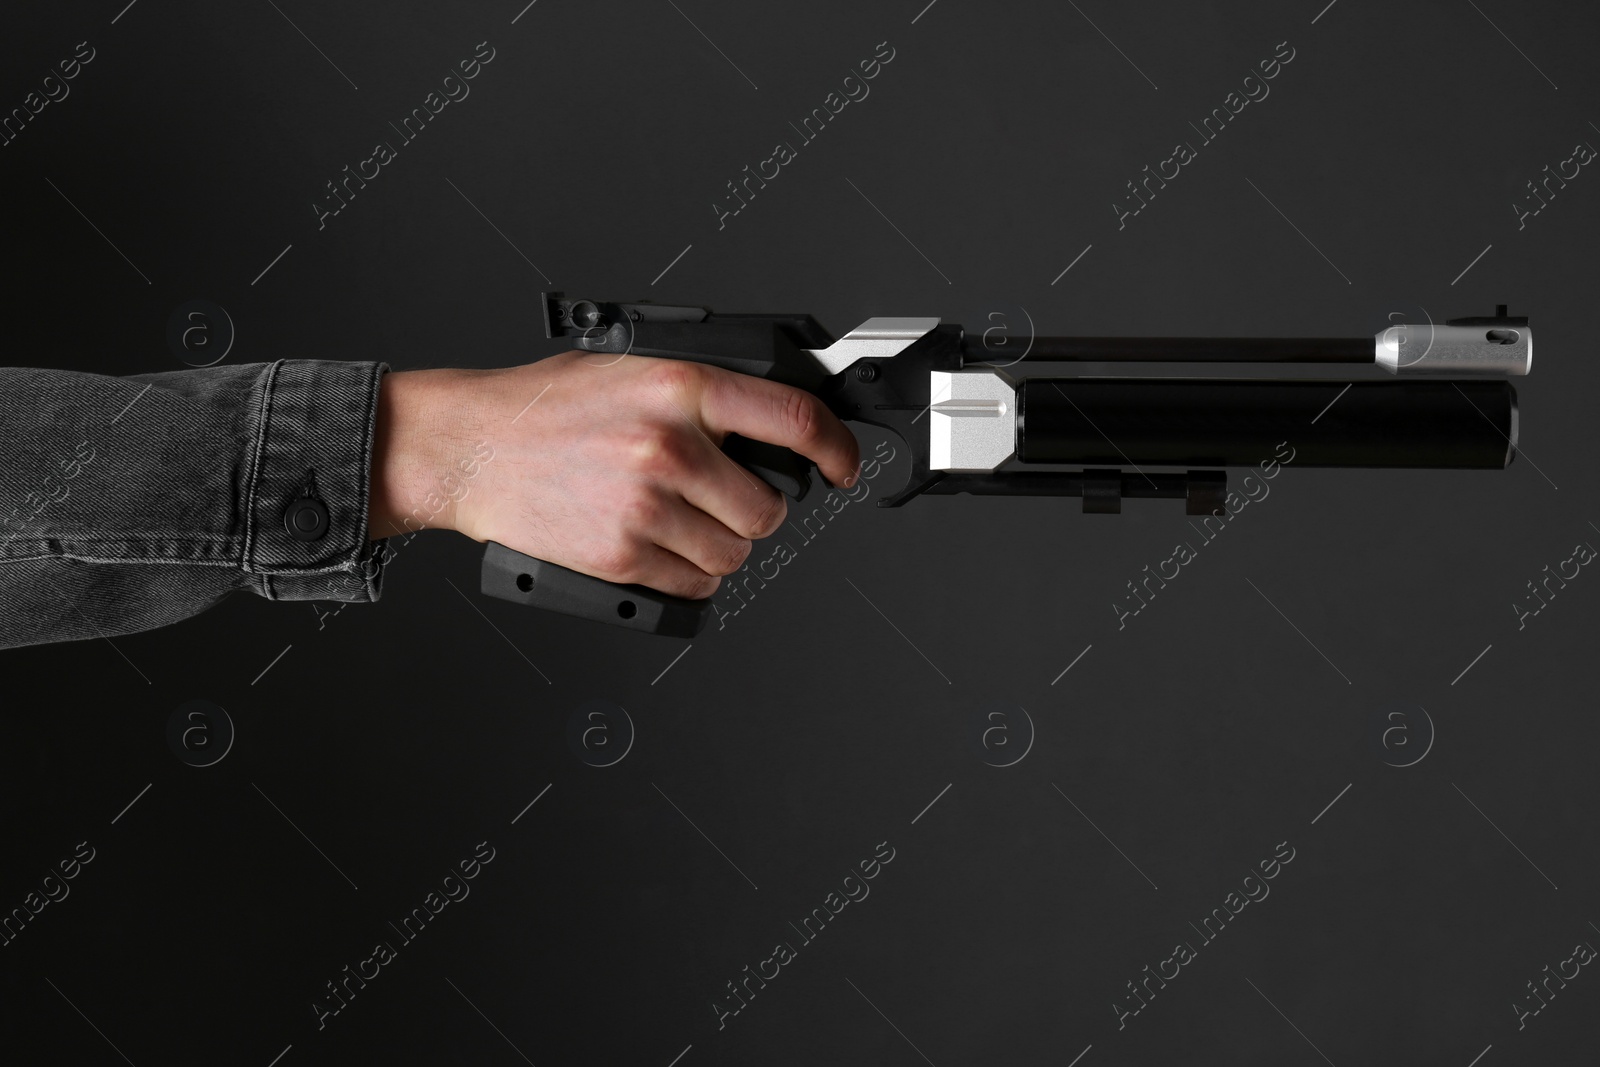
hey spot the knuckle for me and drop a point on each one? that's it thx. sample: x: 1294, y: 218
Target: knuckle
x: 658, y: 449
x: 769, y: 516
x: 676, y: 377
x: 642, y: 510
x: 617, y: 561
x: 729, y: 557
x: 802, y: 416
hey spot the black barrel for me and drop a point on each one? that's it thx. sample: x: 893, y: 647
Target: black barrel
x: 1178, y: 350
x: 1233, y: 423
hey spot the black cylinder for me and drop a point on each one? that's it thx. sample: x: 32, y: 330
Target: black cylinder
x: 1123, y: 422
x: 1178, y: 350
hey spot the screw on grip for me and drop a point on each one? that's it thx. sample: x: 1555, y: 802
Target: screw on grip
x: 537, y: 583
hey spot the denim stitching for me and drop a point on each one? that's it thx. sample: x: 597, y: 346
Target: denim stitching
x: 265, y: 417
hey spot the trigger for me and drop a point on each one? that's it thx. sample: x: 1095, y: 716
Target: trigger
x: 779, y: 467
x: 786, y: 481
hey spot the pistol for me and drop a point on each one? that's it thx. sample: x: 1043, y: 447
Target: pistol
x: 975, y: 424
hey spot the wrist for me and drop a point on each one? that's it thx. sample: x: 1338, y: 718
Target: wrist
x: 412, y: 441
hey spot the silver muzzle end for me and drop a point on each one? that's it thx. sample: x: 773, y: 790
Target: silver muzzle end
x: 1430, y: 349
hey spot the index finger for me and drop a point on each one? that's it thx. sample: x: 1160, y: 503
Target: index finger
x: 781, y: 415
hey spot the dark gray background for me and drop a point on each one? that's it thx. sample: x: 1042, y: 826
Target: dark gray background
x: 1222, y: 721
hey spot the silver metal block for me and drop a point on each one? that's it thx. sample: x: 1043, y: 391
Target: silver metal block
x: 973, y: 420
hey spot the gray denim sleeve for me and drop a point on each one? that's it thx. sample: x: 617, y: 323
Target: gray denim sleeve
x: 130, y: 503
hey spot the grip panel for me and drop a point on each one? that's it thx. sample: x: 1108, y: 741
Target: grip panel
x: 537, y: 583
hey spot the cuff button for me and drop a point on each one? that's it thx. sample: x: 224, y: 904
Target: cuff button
x: 306, y: 519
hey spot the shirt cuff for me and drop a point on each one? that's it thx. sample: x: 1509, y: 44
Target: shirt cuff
x: 307, y: 483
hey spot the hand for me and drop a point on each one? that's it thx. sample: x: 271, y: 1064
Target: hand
x: 608, y: 465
